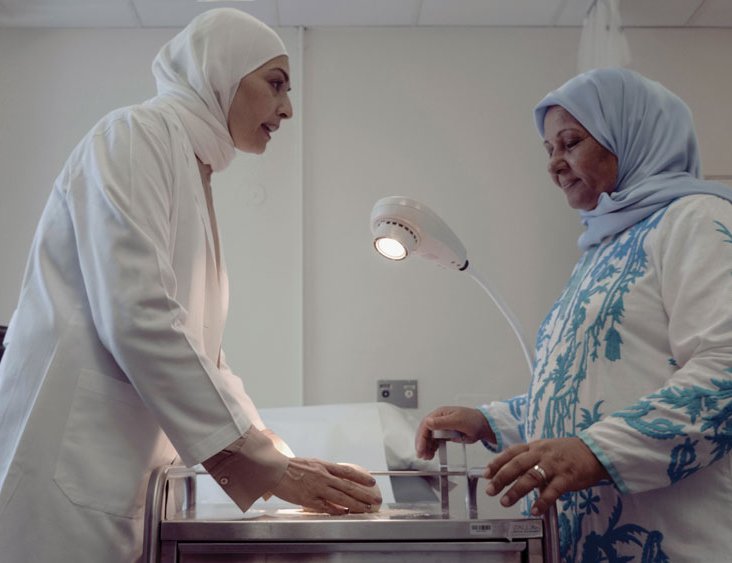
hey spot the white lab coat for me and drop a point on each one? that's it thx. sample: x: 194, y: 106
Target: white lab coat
x: 113, y: 361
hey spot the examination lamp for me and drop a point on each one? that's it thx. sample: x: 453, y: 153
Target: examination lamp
x: 402, y: 227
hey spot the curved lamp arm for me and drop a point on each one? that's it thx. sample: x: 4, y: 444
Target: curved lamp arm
x: 507, y: 313
x: 402, y: 226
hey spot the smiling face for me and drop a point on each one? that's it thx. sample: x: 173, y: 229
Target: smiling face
x: 578, y: 164
x: 260, y: 103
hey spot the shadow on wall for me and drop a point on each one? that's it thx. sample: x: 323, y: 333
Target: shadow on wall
x: 3, y: 329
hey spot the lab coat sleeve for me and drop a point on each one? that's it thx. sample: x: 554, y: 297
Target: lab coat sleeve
x: 257, y: 422
x: 244, y: 400
x: 119, y: 192
x: 686, y: 425
x: 252, y: 456
x: 506, y: 419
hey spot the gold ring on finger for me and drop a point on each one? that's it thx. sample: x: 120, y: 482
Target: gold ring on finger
x: 540, y: 470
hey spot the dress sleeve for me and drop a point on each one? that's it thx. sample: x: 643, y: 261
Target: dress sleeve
x: 686, y: 425
x: 507, y: 420
x: 119, y: 195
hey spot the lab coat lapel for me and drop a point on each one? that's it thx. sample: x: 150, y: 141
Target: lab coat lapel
x: 200, y: 198
x: 220, y: 306
x: 216, y: 290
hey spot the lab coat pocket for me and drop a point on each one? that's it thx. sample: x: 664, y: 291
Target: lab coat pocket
x: 109, y: 446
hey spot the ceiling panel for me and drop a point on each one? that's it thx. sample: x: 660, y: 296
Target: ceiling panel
x: 658, y: 13
x: 348, y: 12
x: 640, y: 13
x: 572, y: 12
x: 177, y: 13
x: 714, y: 13
x: 489, y: 12
x: 67, y: 13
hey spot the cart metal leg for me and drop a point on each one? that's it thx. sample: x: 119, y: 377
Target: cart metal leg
x: 156, y: 502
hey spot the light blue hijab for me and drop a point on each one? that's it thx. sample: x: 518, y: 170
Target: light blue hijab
x: 649, y: 129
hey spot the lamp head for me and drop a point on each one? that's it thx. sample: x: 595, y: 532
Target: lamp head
x: 402, y: 227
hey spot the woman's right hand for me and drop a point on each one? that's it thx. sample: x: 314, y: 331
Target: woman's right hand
x: 328, y: 487
x: 469, y: 422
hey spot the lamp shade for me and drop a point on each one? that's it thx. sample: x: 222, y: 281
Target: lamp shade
x: 402, y: 226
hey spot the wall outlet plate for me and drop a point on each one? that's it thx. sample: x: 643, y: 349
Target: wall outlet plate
x: 399, y: 392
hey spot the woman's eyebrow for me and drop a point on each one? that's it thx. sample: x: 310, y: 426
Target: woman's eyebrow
x: 287, y: 76
x: 571, y: 129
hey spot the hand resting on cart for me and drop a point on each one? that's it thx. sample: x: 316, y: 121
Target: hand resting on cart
x: 333, y: 488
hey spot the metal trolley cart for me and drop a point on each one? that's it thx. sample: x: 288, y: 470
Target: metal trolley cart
x: 181, y: 532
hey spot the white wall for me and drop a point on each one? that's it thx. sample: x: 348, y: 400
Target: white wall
x: 439, y: 114
x: 444, y: 115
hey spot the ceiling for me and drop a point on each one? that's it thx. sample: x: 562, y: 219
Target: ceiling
x: 314, y: 13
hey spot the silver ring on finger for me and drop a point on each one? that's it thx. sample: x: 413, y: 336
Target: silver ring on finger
x: 538, y: 469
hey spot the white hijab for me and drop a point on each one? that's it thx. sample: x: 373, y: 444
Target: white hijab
x: 199, y: 70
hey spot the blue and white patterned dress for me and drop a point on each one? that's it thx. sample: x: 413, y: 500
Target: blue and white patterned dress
x: 635, y: 358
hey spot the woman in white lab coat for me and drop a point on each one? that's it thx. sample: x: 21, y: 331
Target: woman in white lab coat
x: 113, y: 361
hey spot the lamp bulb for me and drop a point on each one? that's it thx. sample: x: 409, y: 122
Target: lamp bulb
x: 390, y: 248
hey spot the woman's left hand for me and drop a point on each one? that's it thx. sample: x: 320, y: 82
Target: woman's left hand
x: 553, y: 466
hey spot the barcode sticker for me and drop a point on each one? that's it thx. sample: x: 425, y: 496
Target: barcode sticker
x: 481, y: 529
x: 524, y: 529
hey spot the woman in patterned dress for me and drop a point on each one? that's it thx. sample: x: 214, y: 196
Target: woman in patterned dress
x: 627, y: 422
